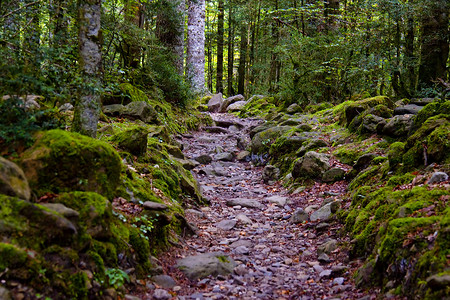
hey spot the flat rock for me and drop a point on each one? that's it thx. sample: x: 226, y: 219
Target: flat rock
x: 236, y: 106
x: 224, y: 156
x: 327, y: 247
x: 204, y: 159
x: 243, y: 202
x: 322, y: 213
x: 240, y: 243
x: 150, y: 205
x: 215, y: 102
x: 278, y: 200
x: 299, y: 216
x: 62, y: 210
x: 409, y: 109
x: 160, y: 294
x: 439, y: 281
x: 203, y: 265
x: 164, y: 281
x: 333, y: 174
x: 226, y: 224
x: 243, y: 219
x: 242, y: 155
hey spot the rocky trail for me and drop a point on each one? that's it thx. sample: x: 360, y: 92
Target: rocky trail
x: 255, y: 238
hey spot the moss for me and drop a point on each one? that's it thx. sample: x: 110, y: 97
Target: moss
x: 400, y: 179
x: 395, y: 154
x: 370, y: 175
x: 430, y: 110
x: 62, y: 161
x: 11, y: 256
x: 78, y: 285
x: 133, y: 140
x: 258, y: 107
x: 140, y: 245
x: 133, y: 92
x: 433, y: 138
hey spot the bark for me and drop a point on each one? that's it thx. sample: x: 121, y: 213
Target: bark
x: 196, y: 45
x: 230, y: 62
x: 220, y: 33
x: 133, y: 15
x: 32, y: 33
x: 178, y: 47
x: 242, y: 60
x: 60, y: 32
x: 410, y: 60
x: 87, y: 108
x: 434, y: 43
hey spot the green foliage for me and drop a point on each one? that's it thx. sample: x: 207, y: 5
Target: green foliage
x: 116, y: 277
x: 18, y: 123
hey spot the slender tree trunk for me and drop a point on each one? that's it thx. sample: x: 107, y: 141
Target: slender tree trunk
x: 133, y: 15
x: 209, y: 55
x: 61, y: 31
x: 242, y: 60
x: 196, y: 45
x: 410, y: 60
x: 178, y: 47
x: 87, y: 108
x: 230, y: 51
x: 434, y: 43
x: 220, y: 33
x: 32, y: 32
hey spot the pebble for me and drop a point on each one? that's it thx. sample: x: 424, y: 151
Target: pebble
x: 160, y: 294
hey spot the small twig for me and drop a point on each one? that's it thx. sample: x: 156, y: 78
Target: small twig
x: 20, y: 8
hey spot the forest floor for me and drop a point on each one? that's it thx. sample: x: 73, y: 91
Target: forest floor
x: 276, y: 258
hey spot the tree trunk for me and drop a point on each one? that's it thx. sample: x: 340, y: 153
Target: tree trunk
x: 133, y: 15
x: 178, y: 47
x: 220, y: 33
x: 434, y: 43
x: 196, y: 45
x: 87, y: 108
x: 31, y: 39
x: 331, y: 10
x: 242, y: 60
x: 60, y: 32
x: 230, y: 62
x: 410, y: 60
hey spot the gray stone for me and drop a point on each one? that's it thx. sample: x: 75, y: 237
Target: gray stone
x: 188, y: 164
x: 312, y: 144
x: 311, y: 165
x: 215, y: 129
x: 299, y: 216
x: 270, y: 173
x: 372, y: 124
x: 325, y: 274
x: 62, y: 210
x: 131, y: 297
x: 204, y: 159
x: 133, y: 140
x: 242, y: 155
x: 438, y: 281
x: 324, y: 258
x: 278, y: 200
x: 409, y: 109
x: 242, y: 250
x: 203, y: 265
x: 226, y: 224
x: 135, y: 110
x: 322, y: 213
x: 438, y: 177
x: 150, y: 205
x: 160, y: 294
x: 327, y: 247
x: 237, y: 106
x: 311, y: 208
x: 398, y: 126
x: 250, y: 203
x: 241, y: 270
x: 243, y: 219
x: 230, y: 100
x: 240, y: 243
x: 334, y: 174
x: 364, y: 161
x: 224, y: 156
x: 338, y: 281
x: 164, y: 281
x: 215, y: 103
x: 293, y: 108
x: 13, y: 181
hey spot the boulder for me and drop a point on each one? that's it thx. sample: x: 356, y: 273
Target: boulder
x: 327, y: 247
x: 63, y: 210
x: 133, y: 140
x: 230, y: 100
x: 334, y: 174
x: 372, y: 124
x: 293, y: 108
x: 311, y: 165
x: 439, y: 281
x: 13, y: 181
x: 150, y: 205
x: 261, y: 141
x: 438, y: 177
x: 278, y: 200
x: 323, y: 213
x: 356, y: 108
x: 135, y: 110
x: 215, y: 103
x: 62, y: 161
x: 224, y: 156
x: 236, y: 106
x: 409, y: 109
x: 203, y: 265
x: 398, y: 126
x: 242, y: 155
x: 226, y: 224
x: 270, y: 174
x: 364, y: 161
x: 203, y: 159
x: 312, y: 144
x: 299, y: 216
x: 164, y: 281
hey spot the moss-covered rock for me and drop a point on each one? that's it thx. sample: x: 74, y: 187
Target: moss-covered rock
x: 257, y: 106
x: 430, y: 110
x: 261, y: 141
x: 133, y: 140
x: 430, y: 143
x: 311, y: 165
x: 354, y: 109
x: 395, y: 154
x: 12, y: 180
x: 62, y: 161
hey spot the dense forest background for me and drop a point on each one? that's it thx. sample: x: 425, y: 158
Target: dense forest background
x: 303, y: 51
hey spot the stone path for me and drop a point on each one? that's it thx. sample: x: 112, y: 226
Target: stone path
x: 250, y: 222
